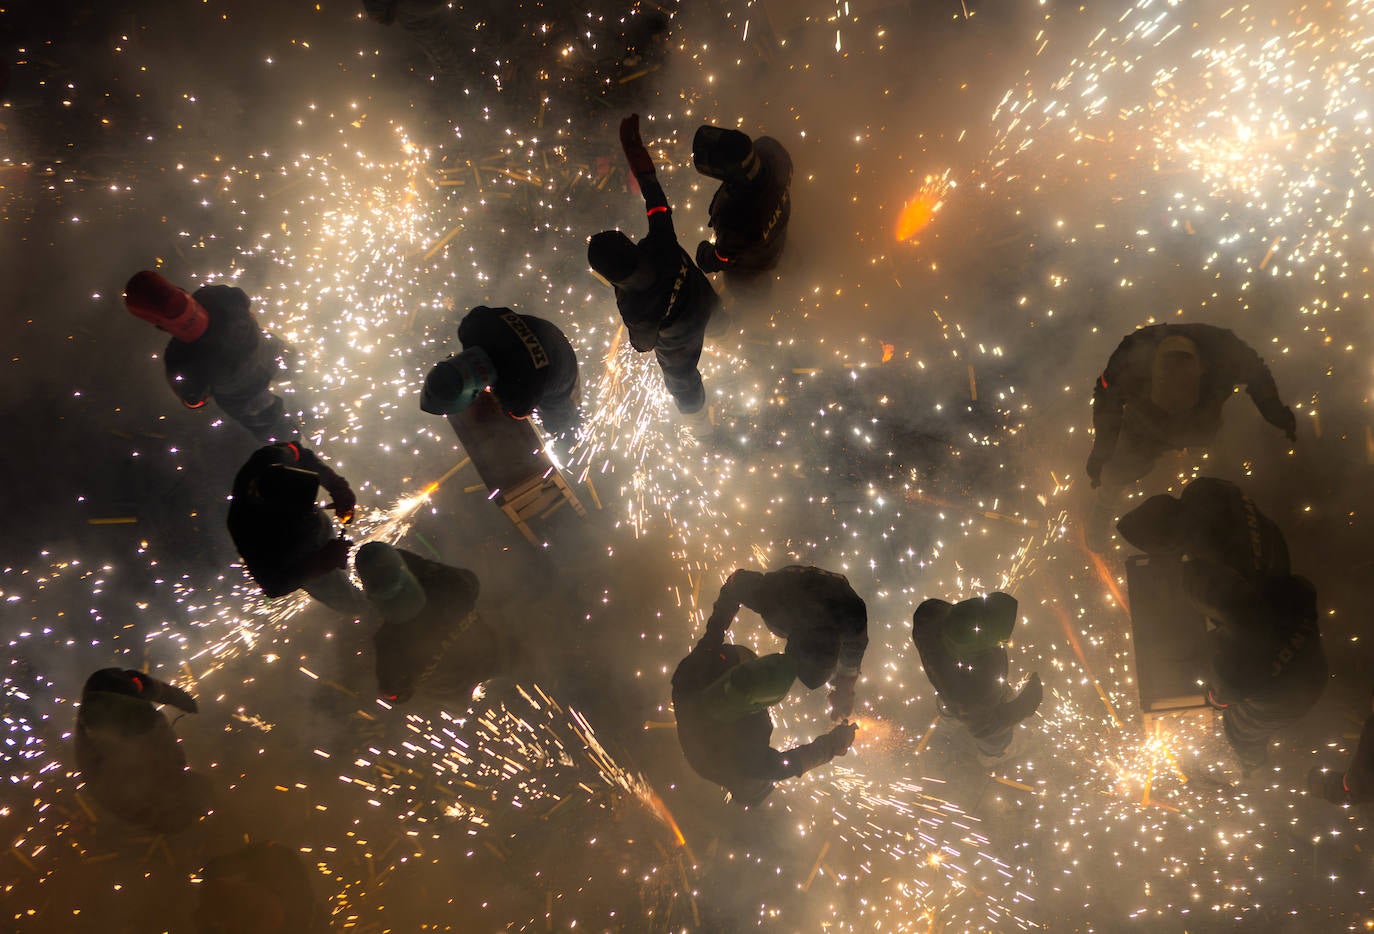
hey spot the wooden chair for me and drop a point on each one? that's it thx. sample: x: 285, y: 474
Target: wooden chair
x: 509, y: 457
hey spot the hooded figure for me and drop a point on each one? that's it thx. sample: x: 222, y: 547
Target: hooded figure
x: 1163, y: 390
x: 665, y: 301
x: 217, y: 351
x: 128, y: 752
x: 1355, y: 785
x: 1268, y: 667
x: 285, y: 539
x: 1213, y: 520
x: 432, y: 640
x: 963, y: 650
x: 263, y: 888
x: 526, y: 361
x: 752, y: 206
x: 823, y: 620
x: 721, y: 696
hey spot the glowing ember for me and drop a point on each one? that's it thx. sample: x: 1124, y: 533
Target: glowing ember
x: 921, y: 210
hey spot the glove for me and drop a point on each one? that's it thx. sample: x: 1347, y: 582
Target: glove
x: 1095, y: 464
x: 344, y: 500
x: 334, y: 555
x: 706, y: 257
x: 841, y: 700
x: 841, y: 738
x: 640, y: 161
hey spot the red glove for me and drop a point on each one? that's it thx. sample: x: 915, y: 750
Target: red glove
x: 640, y: 161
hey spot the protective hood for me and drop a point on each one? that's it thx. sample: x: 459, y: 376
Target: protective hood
x: 151, y: 297
x: 978, y: 625
x: 1176, y: 376
x: 455, y: 383
x: 750, y: 687
x: 287, y: 487
x: 727, y: 155
x: 137, y: 686
x: 388, y: 583
x: 615, y: 258
x: 1157, y: 526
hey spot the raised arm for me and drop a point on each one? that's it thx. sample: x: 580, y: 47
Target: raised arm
x: 185, y: 379
x: 819, y: 751
x: 642, y: 165
x: 1246, y: 366
x: 344, y: 500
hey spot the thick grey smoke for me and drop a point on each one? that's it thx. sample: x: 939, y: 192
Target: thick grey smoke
x: 913, y: 414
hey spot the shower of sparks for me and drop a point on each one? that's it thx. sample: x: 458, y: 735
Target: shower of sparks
x: 917, y: 213
x: 1242, y: 132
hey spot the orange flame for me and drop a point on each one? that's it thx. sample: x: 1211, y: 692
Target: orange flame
x: 918, y: 212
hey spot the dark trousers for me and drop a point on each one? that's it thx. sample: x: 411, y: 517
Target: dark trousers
x: 263, y: 414
x: 678, y: 351
x: 247, y: 395
x: 1250, y: 724
x: 558, y: 410
x: 986, y: 723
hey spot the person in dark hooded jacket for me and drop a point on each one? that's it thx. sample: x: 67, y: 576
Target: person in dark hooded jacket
x: 1163, y: 390
x: 751, y: 208
x: 285, y: 539
x: 665, y: 301
x: 1268, y: 667
x: 721, y: 696
x: 526, y: 361
x: 963, y: 650
x: 1210, y: 519
x: 217, y: 351
x: 129, y: 755
x: 823, y: 620
x: 432, y: 641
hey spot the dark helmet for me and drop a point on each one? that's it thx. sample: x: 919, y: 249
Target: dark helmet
x: 1156, y: 526
x: 455, y: 383
x: 124, y: 681
x: 388, y: 582
x: 973, y: 626
x: 727, y: 155
x: 613, y: 255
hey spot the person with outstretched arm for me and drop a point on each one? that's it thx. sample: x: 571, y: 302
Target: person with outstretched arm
x: 665, y: 301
